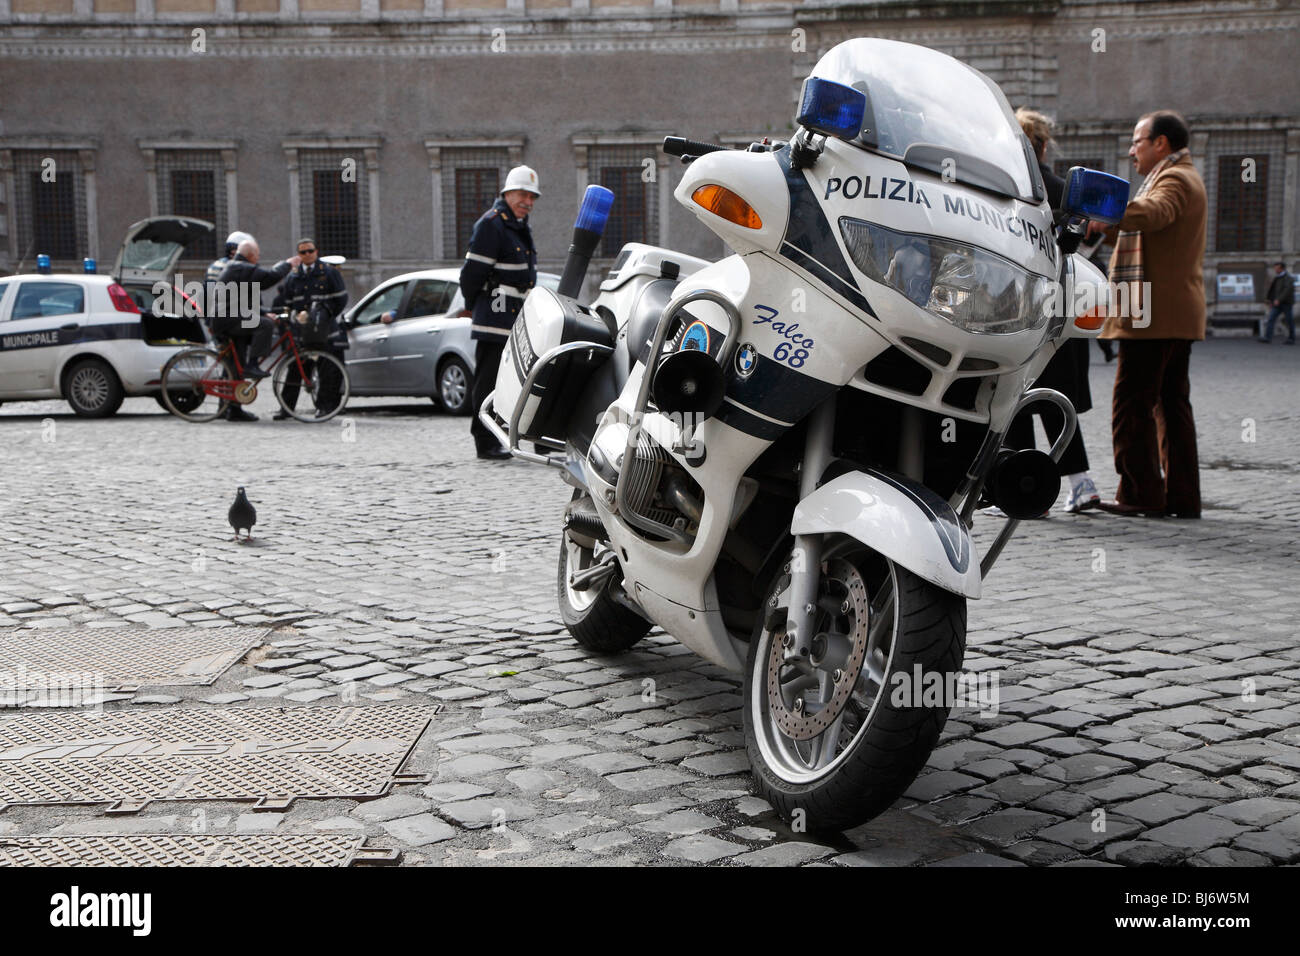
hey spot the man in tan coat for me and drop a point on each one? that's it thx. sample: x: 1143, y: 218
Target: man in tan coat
x: 1157, y: 312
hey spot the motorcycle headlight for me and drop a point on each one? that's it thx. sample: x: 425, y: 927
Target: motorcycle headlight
x: 967, y: 286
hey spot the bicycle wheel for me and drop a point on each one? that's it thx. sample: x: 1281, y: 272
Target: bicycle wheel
x: 188, y: 381
x: 318, y: 396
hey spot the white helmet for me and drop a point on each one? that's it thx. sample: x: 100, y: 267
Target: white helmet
x: 522, y: 177
x: 236, y: 237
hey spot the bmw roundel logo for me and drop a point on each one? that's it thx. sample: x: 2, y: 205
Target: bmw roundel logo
x: 746, y: 360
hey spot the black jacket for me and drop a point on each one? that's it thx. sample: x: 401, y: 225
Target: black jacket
x: 1282, y: 289
x: 243, y: 303
x: 318, y: 286
x: 1055, y: 186
x: 499, y: 269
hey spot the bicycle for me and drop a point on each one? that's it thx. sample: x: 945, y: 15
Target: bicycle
x: 193, y: 376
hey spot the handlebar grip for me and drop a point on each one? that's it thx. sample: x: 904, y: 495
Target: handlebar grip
x: 679, y: 146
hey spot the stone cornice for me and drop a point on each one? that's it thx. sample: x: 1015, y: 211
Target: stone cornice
x: 411, y: 39
x: 1198, y: 123
x: 51, y: 143
x: 914, y: 10
x: 213, y: 145
x: 564, y: 31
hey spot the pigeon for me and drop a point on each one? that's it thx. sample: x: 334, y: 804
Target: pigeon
x: 243, y: 515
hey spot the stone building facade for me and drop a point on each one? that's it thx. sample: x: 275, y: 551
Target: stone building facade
x: 382, y: 126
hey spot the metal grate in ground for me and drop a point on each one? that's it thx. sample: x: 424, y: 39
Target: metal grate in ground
x: 271, y: 849
x: 42, y: 662
x: 269, y: 754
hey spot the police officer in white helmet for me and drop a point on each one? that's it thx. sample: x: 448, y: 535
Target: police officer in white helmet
x: 499, y: 269
x: 218, y: 266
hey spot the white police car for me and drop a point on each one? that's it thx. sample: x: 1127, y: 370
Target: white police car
x: 93, y: 339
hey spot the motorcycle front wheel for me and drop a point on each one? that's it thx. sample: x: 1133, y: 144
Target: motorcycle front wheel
x: 834, y: 740
x: 595, y: 619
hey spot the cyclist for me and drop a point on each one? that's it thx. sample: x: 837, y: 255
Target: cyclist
x: 239, y: 313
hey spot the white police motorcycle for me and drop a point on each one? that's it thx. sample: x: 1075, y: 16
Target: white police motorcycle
x: 776, y: 457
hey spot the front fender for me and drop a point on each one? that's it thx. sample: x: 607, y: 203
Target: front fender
x: 902, y: 520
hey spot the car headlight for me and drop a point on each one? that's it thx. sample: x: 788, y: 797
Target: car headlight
x: 975, y: 290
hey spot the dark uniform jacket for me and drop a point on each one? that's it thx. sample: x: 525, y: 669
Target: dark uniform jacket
x: 231, y: 313
x: 499, y: 269
x: 1282, y: 289
x: 319, y: 286
x: 217, y: 267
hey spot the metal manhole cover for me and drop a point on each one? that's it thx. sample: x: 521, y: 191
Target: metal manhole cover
x: 200, y: 850
x: 117, y: 658
x: 269, y: 754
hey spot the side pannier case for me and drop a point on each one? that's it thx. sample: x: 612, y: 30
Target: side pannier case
x: 554, y: 345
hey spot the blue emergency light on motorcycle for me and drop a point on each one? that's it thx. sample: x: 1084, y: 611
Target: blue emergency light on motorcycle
x: 43, y: 264
x: 1095, y: 195
x: 88, y: 266
x: 597, y: 201
x: 594, y: 211
x: 831, y: 108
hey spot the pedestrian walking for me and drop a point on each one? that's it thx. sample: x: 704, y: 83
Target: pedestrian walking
x: 317, y: 295
x: 1159, y: 245
x: 1281, y: 300
x: 500, y: 267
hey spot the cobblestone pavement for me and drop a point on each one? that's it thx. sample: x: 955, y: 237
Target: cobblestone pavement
x: 1149, y: 706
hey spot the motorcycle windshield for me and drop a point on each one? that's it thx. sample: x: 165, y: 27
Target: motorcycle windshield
x: 936, y: 113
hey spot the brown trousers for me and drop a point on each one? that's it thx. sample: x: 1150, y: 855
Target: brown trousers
x: 1152, y: 426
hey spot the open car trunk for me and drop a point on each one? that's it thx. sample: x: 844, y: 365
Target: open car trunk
x: 172, y: 330
x: 149, y: 255
x: 153, y: 246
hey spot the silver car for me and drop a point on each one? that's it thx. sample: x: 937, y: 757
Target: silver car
x: 426, y: 350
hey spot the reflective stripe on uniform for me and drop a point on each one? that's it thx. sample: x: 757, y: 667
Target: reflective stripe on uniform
x: 512, y: 265
x: 477, y: 258
x: 492, y: 329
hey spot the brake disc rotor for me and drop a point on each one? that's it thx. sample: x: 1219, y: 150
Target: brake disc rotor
x: 802, y: 724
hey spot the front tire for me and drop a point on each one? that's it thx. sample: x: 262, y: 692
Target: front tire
x: 837, y: 767
x: 325, y: 389
x: 92, y: 389
x: 596, y: 621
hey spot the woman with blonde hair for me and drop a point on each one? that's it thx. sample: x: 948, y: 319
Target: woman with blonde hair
x: 1067, y: 372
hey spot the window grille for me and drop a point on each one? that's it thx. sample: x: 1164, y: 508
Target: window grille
x: 471, y: 180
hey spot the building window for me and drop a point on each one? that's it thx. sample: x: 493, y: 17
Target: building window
x: 192, y: 183
x: 471, y: 181
x: 1062, y: 166
x: 1241, y: 212
x: 1245, y: 169
x: 635, y: 214
x: 50, y: 204
x: 334, y: 212
x: 334, y: 201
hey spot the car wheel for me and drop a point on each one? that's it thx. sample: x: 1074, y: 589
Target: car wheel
x: 455, y: 386
x: 92, y: 389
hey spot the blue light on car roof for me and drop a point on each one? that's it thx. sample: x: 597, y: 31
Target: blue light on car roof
x: 43, y: 264
x: 88, y: 266
x: 594, y: 211
x: 831, y: 108
x: 1094, y: 194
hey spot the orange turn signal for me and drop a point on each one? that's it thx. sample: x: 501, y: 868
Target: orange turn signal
x: 1093, y: 319
x: 723, y: 202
